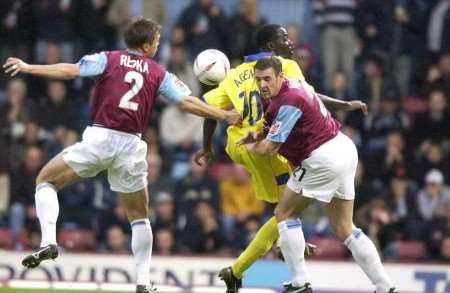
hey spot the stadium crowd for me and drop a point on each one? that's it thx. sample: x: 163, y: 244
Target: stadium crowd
x: 394, y: 55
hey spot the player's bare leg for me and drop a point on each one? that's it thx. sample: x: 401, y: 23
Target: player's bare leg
x: 292, y: 240
x: 52, y: 177
x: 340, y: 213
x: 136, y: 205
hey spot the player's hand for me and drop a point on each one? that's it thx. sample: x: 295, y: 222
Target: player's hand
x: 15, y: 65
x: 204, y: 157
x: 358, y: 105
x: 250, y: 137
x: 233, y: 118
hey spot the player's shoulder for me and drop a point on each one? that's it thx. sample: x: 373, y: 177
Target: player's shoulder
x: 288, y: 64
x: 239, y: 76
x: 293, y: 93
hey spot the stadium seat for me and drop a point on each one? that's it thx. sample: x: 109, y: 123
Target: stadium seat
x: 328, y: 248
x: 6, y: 240
x: 410, y: 250
x: 77, y: 240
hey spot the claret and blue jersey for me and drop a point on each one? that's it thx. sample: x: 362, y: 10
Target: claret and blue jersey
x: 128, y: 85
x: 298, y: 120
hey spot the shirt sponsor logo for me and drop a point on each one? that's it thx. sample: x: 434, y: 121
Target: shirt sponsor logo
x: 275, y: 128
x: 180, y: 84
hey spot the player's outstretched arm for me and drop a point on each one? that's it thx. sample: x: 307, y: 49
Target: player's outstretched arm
x: 335, y: 104
x: 206, y: 154
x: 14, y: 66
x: 195, y: 106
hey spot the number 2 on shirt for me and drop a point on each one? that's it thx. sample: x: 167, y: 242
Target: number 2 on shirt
x: 125, y: 102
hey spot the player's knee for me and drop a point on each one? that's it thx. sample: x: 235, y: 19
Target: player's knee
x: 282, y: 214
x: 342, y: 230
x: 136, y: 214
x: 42, y: 177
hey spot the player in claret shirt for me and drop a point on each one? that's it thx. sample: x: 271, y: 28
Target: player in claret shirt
x: 128, y: 83
x: 299, y: 127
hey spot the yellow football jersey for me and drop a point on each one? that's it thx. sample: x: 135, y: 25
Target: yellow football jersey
x: 239, y: 91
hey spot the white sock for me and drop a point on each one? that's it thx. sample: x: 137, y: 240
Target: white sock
x: 47, y: 210
x: 366, y: 255
x: 292, y: 244
x: 141, y: 245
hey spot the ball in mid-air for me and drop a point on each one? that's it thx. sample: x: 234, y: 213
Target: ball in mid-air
x: 211, y: 66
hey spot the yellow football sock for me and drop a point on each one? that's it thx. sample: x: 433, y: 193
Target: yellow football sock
x: 259, y: 246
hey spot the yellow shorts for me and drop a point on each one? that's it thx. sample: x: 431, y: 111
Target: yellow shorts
x: 269, y: 173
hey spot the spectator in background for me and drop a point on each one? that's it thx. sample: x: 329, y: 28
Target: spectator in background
x: 5, y: 183
x: 438, y: 36
x: 196, y: 187
x: 243, y: 25
x: 378, y: 125
x: 392, y: 159
x: 164, y: 216
x: 436, y: 233
x: 181, y: 136
x: 33, y: 135
x: 445, y: 249
x: 340, y: 89
x: 116, y: 241
x: 203, y: 233
x: 15, y: 111
x: 182, y: 68
x: 434, y: 198
x: 76, y: 205
x: 22, y: 189
x: 372, y: 218
x: 57, y: 110
x: 204, y: 26
x: 165, y: 243
x: 115, y: 216
x: 374, y: 83
x: 121, y: 11
x: 434, y: 123
x: 431, y: 156
x: 338, y: 39
x: 16, y: 30
x: 363, y: 186
x: 438, y: 75
x: 402, y: 207
x: 392, y: 28
x: 238, y: 201
x: 156, y: 181
x: 93, y: 38
x: 303, y: 55
x: 51, y: 14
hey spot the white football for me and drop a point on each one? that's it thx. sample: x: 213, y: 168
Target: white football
x: 211, y: 66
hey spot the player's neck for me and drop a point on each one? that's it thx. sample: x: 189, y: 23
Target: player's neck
x: 135, y: 52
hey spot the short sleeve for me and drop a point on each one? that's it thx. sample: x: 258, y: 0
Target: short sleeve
x: 283, y: 124
x: 93, y: 65
x: 173, y: 88
x: 218, y: 97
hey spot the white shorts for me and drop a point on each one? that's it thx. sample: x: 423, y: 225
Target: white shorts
x: 329, y: 172
x: 122, y: 154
